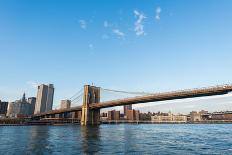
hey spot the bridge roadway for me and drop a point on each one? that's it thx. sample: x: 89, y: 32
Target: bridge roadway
x: 182, y: 94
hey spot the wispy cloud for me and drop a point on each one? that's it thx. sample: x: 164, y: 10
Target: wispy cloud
x: 157, y: 11
x: 32, y: 84
x: 83, y: 24
x: 118, y: 33
x: 91, y: 46
x: 106, y: 24
x: 105, y: 36
x: 139, y: 27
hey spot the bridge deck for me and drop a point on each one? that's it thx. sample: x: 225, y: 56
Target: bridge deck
x: 218, y: 90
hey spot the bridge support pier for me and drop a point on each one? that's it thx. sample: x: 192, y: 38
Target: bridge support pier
x: 91, y: 95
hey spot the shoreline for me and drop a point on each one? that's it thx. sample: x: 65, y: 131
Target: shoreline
x: 65, y: 122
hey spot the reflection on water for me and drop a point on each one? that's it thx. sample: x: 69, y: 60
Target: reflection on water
x: 117, y: 139
x: 90, y: 139
x: 38, y: 139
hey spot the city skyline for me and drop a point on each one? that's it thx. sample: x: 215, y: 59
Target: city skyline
x: 152, y: 47
x: 115, y: 77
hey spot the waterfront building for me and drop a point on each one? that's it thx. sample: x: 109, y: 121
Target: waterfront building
x: 168, y: 117
x: 103, y: 116
x: 65, y: 104
x: 145, y: 116
x: 32, y: 101
x: 117, y: 115
x: 197, y: 116
x: 125, y: 108
x: 44, y: 101
x: 227, y: 115
x: 20, y: 108
x: 113, y: 115
x: 3, y: 108
x: 76, y: 115
x: 133, y: 115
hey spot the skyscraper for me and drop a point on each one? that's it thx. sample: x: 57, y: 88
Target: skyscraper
x: 20, y: 108
x: 127, y: 107
x: 44, y: 100
x: 3, y: 107
x: 32, y: 101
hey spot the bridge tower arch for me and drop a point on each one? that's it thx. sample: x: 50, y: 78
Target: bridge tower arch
x: 89, y: 116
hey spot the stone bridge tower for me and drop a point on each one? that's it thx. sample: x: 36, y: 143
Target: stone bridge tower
x: 91, y: 95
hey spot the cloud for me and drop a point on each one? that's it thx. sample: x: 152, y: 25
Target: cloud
x: 32, y: 84
x: 83, y: 24
x: 139, y: 27
x: 118, y: 33
x: 106, y: 24
x: 157, y: 11
x: 91, y: 46
x: 105, y: 36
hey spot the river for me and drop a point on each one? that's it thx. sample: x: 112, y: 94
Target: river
x: 117, y: 139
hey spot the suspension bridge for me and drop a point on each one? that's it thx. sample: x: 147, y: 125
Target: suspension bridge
x: 86, y: 102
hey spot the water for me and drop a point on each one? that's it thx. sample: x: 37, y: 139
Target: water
x: 117, y: 139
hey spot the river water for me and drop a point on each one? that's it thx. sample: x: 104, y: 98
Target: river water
x: 117, y: 139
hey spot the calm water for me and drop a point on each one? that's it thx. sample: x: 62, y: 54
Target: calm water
x: 117, y: 139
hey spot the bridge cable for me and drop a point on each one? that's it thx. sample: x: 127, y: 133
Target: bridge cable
x: 127, y: 92
x: 80, y: 91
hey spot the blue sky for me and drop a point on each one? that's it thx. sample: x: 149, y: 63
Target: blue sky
x: 139, y: 45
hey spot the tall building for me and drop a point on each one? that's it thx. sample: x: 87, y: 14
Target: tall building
x: 133, y: 115
x: 3, y: 107
x: 31, y: 101
x: 20, y: 108
x: 65, y: 104
x: 44, y: 100
x: 113, y: 115
x: 127, y: 107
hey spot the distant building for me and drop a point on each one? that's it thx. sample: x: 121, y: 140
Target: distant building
x: 166, y: 118
x: 21, y: 108
x: 125, y: 108
x: 113, y: 115
x: 133, y: 115
x: 76, y: 115
x: 103, y: 114
x: 221, y: 115
x: 197, y: 116
x: 145, y: 116
x: 32, y: 101
x: 3, y: 108
x: 65, y: 104
x: 44, y: 101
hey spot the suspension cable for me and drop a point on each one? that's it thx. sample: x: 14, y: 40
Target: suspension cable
x: 76, y: 102
x: 126, y: 92
x: 80, y: 91
x: 77, y: 98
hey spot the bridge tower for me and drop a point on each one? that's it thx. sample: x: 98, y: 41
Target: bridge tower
x: 91, y: 95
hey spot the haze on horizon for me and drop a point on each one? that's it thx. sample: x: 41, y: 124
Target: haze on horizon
x: 151, y: 46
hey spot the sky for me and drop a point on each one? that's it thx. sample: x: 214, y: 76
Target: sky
x: 139, y: 45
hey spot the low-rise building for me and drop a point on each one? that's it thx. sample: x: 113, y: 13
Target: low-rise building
x: 145, y: 116
x: 198, y: 116
x: 166, y: 118
x: 227, y: 115
x: 103, y: 116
